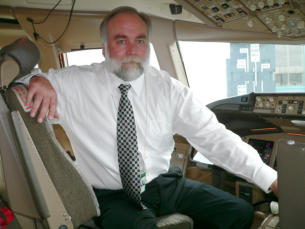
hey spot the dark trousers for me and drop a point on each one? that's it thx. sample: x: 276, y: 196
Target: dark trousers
x: 208, y: 206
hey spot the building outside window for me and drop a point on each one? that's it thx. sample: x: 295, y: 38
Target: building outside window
x: 219, y: 70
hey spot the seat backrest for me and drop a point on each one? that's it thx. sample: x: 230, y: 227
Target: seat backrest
x: 75, y: 193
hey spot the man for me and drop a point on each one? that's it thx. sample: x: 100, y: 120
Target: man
x: 97, y: 104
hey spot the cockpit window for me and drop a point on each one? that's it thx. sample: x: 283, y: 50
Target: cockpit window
x: 89, y: 56
x: 85, y: 57
x: 220, y: 70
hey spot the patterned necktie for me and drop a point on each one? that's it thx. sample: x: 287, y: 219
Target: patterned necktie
x: 128, y: 153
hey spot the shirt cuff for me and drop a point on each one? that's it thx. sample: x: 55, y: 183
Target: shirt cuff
x: 265, y: 177
x: 26, y: 79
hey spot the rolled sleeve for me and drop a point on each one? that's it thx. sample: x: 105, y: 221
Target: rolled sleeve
x: 26, y: 79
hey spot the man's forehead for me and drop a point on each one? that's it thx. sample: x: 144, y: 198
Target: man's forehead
x: 126, y: 17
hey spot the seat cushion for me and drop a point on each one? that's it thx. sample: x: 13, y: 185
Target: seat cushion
x: 175, y: 221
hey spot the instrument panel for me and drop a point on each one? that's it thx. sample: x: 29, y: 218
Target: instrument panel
x: 283, y: 17
x: 262, y: 113
x: 280, y: 104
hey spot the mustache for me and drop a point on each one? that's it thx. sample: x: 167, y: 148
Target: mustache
x: 131, y: 59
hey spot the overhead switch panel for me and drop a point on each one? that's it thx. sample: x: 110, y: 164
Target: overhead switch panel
x: 283, y: 17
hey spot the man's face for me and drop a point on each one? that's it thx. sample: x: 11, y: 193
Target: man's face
x: 127, y: 45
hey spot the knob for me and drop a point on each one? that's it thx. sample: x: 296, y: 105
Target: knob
x: 283, y: 27
x: 261, y: 4
x: 270, y: 2
x: 301, y: 25
x: 268, y: 20
x: 250, y: 23
x: 281, y: 18
x: 292, y: 23
x: 253, y: 7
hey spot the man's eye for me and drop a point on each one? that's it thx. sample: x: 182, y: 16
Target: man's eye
x: 140, y: 41
x: 122, y: 42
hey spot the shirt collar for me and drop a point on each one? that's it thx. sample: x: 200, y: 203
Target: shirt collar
x: 136, y: 85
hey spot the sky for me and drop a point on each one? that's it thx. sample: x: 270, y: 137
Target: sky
x: 205, y: 65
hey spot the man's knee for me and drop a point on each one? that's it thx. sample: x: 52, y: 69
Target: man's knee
x: 244, y: 213
x: 136, y: 220
x: 145, y: 220
x: 246, y: 209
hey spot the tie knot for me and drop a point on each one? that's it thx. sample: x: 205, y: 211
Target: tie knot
x: 124, y: 88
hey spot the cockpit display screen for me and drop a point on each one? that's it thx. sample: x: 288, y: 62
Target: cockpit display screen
x: 264, y: 148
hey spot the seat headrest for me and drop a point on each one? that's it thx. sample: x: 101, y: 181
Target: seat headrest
x: 22, y: 51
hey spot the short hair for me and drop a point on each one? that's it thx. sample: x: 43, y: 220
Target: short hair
x: 123, y: 9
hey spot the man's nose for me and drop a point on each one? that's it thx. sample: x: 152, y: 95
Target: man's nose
x: 131, y: 49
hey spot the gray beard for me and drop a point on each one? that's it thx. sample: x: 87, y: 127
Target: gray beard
x: 129, y: 73
x: 132, y: 72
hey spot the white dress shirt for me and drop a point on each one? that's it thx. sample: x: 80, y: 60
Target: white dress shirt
x: 88, y: 99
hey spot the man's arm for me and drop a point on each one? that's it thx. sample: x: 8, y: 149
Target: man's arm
x: 221, y: 146
x: 44, y: 98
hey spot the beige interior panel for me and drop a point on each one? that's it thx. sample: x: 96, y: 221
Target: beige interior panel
x: 50, y: 31
x: 9, y: 33
x: 3, y: 190
x: 27, y: 223
x: 162, y: 37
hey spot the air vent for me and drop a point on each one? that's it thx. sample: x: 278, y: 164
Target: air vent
x: 10, y: 21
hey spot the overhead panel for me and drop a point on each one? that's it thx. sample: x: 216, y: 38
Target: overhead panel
x: 221, y: 11
x: 283, y: 17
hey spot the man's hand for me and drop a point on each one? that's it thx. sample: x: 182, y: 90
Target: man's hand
x: 274, y: 187
x: 44, y: 98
